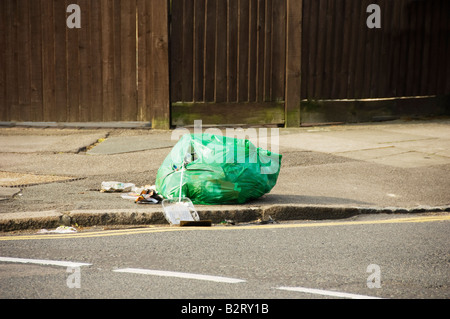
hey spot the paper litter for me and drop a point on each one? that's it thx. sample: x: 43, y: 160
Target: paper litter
x: 117, y: 187
x: 59, y: 230
x: 144, y: 195
x: 141, y: 195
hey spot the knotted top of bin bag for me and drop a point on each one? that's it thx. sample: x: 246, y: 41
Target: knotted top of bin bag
x: 216, y: 169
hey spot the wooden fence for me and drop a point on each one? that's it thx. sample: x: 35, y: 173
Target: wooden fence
x: 228, y: 51
x: 345, y: 63
x: 281, y: 62
x: 113, y: 68
x: 344, y: 59
x: 228, y: 61
x: 235, y: 62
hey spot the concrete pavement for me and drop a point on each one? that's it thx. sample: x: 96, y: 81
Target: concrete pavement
x: 52, y: 176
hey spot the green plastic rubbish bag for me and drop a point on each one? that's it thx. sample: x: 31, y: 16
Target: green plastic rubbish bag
x: 217, y: 170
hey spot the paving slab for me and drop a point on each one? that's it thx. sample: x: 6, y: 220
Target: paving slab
x: 30, y: 215
x: 372, y: 153
x: 319, y: 143
x: 410, y: 159
x: 49, y: 143
x: 128, y: 144
x: 363, y: 183
x: 8, y: 192
x: 433, y: 146
x: 12, y: 179
x: 437, y: 129
x: 373, y: 136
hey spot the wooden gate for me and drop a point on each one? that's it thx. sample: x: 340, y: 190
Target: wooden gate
x: 228, y: 61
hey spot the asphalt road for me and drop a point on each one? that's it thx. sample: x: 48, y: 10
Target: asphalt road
x: 383, y: 256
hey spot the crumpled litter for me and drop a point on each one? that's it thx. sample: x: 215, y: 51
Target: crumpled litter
x: 141, y: 195
x: 228, y: 222
x: 268, y: 221
x: 110, y: 187
x: 59, y: 230
x: 144, y: 195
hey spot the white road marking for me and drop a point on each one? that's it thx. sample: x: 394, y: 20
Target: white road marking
x: 327, y: 293
x: 185, y: 275
x: 43, y: 262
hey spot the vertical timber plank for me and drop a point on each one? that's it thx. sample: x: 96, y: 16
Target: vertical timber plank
x: 3, y: 44
x: 48, y: 60
x: 368, y: 73
x: 142, y: 17
x: 339, y: 39
x: 446, y: 72
x: 321, y: 45
x: 107, y: 53
x: 420, y: 45
x: 311, y: 40
x: 24, y: 55
x: 426, y: 53
x: 400, y: 81
x: 73, y: 72
x: 150, y: 61
x: 293, y: 62
x: 383, y: 69
x: 279, y: 49
x: 160, y: 117
x: 199, y: 49
x: 253, y: 46
x: 221, y: 52
x: 395, y: 48
x: 360, y: 52
x: 268, y: 52
x: 128, y: 60
x: 12, y: 94
x: 260, y: 45
x: 210, y: 51
x: 443, y: 53
x: 232, y: 50
x: 118, y: 79
x: 372, y: 82
x: 176, y: 51
x: 96, y: 113
x: 329, y: 50
x: 412, y: 47
x: 188, y: 58
x: 243, y: 46
x: 341, y: 90
x: 306, y: 31
x: 60, y: 61
x: 85, y: 61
